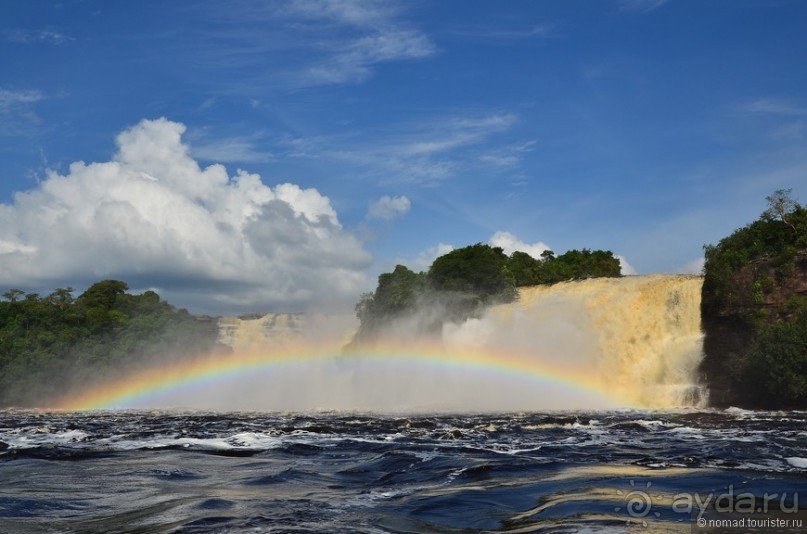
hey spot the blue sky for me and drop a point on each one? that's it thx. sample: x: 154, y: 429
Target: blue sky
x: 645, y: 127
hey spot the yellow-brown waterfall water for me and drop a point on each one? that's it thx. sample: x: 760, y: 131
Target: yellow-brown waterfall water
x: 634, y: 341
x: 281, y: 330
x: 255, y: 332
x: 639, y: 335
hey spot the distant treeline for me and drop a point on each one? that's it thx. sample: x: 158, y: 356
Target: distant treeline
x: 463, y: 281
x: 57, y: 343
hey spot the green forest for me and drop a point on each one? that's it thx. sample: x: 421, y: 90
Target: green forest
x: 462, y: 282
x: 54, y: 343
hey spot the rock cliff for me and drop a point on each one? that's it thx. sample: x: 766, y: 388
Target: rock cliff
x: 761, y: 294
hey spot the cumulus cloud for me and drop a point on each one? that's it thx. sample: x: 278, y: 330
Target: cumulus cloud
x: 206, y: 240
x: 387, y: 208
x: 510, y: 243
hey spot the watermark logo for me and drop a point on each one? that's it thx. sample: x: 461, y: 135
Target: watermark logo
x: 638, y: 503
x: 731, y: 505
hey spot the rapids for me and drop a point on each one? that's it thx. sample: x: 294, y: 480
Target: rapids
x: 171, y: 472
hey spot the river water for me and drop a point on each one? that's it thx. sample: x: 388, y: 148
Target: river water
x: 189, y: 472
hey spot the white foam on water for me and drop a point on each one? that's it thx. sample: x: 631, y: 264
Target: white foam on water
x: 797, y: 461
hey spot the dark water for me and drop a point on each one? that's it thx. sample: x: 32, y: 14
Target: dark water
x: 171, y: 472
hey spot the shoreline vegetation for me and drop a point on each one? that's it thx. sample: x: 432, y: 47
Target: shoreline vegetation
x: 754, y: 315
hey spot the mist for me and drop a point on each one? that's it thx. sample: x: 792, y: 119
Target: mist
x: 595, y: 344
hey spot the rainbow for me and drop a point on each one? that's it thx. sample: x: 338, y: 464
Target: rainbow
x: 134, y: 389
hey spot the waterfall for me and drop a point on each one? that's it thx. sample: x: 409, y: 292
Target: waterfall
x: 639, y: 335
x: 635, y: 341
x: 256, y: 331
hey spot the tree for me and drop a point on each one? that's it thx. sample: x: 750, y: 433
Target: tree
x: 61, y: 297
x: 13, y: 294
x: 364, y: 308
x: 103, y: 294
x: 780, y: 206
x: 480, y: 270
x: 576, y: 264
x: 397, y: 291
x: 397, y: 294
x: 524, y: 268
x: 769, y: 238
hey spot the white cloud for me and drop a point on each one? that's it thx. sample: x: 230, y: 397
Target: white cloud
x: 427, y: 257
x: 359, y: 13
x: 691, y: 267
x: 32, y: 36
x: 775, y: 106
x: 457, y: 132
x: 352, y: 63
x: 17, y: 115
x: 537, y: 31
x: 626, y: 268
x: 152, y: 217
x: 293, y: 44
x: 510, y: 243
x: 507, y: 156
x: 230, y: 149
x: 377, y: 35
x: 388, y: 208
x: 421, y: 152
x: 8, y: 99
